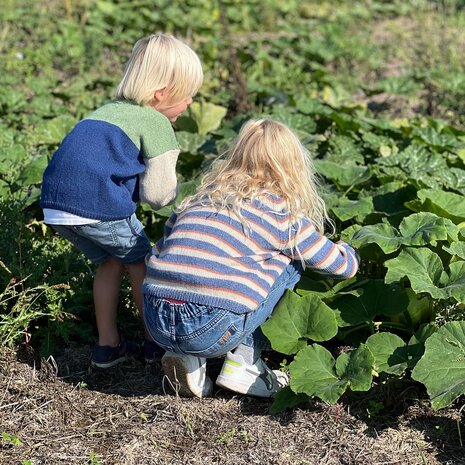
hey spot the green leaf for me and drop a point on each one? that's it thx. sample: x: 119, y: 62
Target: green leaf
x: 106, y: 7
x: 296, y: 319
x: 420, y: 167
x: 391, y: 197
x: 439, y: 141
x: 189, y: 142
x: 343, y: 175
x: 287, y: 398
x: 347, y: 209
x: 442, y: 367
x: 359, y: 368
x: 453, y: 282
x: 416, y: 345
x: 419, y: 307
x: 343, y: 148
x: 187, y: 124
x: 382, y: 234
x: 456, y: 248
x: 347, y: 122
x: 33, y: 172
x: 421, y: 266
x: 312, y: 106
x: 296, y: 121
x: 208, y: 116
x: 52, y: 132
x: 389, y: 351
x: 425, y: 272
x: 445, y: 204
x: 423, y: 228
x: 348, y: 234
x: 377, y: 298
x: 417, y: 229
x: 402, y: 85
x: 315, y: 372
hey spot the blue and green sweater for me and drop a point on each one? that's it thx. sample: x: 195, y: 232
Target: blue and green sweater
x: 94, y: 173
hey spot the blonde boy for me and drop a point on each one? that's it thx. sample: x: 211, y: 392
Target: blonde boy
x: 122, y: 153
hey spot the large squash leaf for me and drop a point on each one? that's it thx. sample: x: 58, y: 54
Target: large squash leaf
x: 442, y: 367
x: 389, y: 351
x: 424, y: 270
x: 382, y: 234
x: 343, y: 175
x: 208, y: 116
x: 417, y: 229
x: 377, y: 298
x: 445, y: 204
x: 297, y: 319
x: 347, y: 209
x: 315, y: 372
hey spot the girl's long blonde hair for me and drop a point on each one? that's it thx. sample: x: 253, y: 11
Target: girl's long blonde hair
x: 266, y: 158
x: 157, y: 62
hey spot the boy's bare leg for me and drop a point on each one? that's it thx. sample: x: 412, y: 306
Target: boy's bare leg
x: 107, y: 282
x: 136, y: 274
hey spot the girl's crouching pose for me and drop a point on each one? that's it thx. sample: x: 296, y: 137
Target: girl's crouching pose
x: 228, y: 254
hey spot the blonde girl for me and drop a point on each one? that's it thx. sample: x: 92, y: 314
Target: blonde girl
x: 228, y: 254
x: 122, y: 153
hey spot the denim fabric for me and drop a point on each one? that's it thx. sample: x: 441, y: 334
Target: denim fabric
x: 206, y: 331
x: 124, y: 239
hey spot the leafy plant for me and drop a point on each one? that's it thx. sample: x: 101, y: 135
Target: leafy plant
x: 11, y: 439
x: 393, y: 185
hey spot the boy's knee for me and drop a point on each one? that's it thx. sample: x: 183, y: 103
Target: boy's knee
x: 112, y: 264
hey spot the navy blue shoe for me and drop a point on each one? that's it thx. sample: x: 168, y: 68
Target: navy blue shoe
x: 152, y: 351
x: 107, y: 356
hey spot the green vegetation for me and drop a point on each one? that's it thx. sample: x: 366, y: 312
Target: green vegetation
x: 374, y: 88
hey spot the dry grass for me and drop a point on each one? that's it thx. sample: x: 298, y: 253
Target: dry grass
x: 62, y: 412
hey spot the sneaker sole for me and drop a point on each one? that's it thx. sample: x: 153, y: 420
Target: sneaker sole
x: 108, y: 364
x: 244, y: 388
x: 176, y: 373
x: 240, y: 388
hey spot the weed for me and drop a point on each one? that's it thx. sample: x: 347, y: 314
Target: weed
x: 10, y: 439
x: 93, y: 459
x: 227, y: 437
x: 374, y: 408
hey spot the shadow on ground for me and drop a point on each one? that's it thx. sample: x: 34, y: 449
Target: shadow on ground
x: 62, y: 412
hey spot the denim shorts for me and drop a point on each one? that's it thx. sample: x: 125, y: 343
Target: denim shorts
x: 207, y: 331
x: 124, y: 240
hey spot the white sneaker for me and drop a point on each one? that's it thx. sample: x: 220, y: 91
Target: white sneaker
x: 255, y: 380
x: 187, y: 374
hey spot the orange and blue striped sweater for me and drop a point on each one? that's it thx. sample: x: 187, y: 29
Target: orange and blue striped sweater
x: 206, y: 257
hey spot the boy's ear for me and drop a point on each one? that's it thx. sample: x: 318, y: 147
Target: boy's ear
x: 160, y: 95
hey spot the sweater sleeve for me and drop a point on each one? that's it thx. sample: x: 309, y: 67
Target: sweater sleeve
x: 333, y: 259
x: 158, y: 183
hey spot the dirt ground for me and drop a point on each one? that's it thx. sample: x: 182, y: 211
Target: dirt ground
x: 59, y: 411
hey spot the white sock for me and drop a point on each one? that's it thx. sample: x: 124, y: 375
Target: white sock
x: 249, y: 354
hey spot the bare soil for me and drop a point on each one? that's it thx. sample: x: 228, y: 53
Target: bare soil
x: 63, y: 412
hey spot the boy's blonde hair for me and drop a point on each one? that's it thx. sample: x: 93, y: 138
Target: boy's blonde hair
x: 266, y: 158
x: 157, y: 62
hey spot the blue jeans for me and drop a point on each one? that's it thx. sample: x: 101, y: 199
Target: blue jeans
x: 124, y: 240
x: 206, y: 331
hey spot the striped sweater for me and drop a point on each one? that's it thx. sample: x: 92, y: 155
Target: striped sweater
x: 206, y: 258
